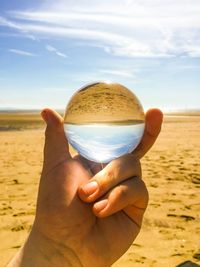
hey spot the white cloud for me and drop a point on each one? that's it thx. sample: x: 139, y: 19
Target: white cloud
x: 50, y: 48
x: 22, y: 52
x: 134, y: 20
x: 193, y: 51
x: 61, y: 54
x: 16, y: 26
x: 8, y: 23
x: 132, y: 28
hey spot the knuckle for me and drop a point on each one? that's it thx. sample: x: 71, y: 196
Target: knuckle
x: 122, y: 192
x: 114, y: 169
x: 109, y: 175
x: 106, y: 180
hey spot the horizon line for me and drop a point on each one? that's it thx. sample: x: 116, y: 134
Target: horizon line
x: 38, y: 110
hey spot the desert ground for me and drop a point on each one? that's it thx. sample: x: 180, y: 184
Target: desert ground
x: 171, y: 170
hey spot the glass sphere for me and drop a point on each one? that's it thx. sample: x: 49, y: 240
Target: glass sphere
x: 104, y: 121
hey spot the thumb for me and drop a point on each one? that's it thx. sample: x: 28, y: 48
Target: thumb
x: 56, y: 148
x: 153, y: 124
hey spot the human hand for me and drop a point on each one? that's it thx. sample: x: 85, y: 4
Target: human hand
x: 70, y: 229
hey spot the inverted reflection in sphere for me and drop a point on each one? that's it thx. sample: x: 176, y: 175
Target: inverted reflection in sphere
x: 104, y: 121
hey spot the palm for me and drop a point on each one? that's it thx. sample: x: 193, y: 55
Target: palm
x: 105, y: 240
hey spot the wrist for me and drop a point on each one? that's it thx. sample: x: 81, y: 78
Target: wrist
x: 39, y: 251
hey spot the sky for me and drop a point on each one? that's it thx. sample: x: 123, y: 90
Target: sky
x: 49, y: 49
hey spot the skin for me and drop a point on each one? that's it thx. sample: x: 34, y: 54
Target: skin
x: 78, y: 224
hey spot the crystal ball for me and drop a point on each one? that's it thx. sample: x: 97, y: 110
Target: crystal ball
x: 104, y: 121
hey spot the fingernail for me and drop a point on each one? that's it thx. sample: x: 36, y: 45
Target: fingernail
x: 100, y: 205
x: 90, y: 188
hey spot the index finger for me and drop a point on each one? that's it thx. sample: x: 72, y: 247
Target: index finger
x: 153, y: 123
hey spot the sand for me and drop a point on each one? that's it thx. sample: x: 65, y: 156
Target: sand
x: 171, y: 170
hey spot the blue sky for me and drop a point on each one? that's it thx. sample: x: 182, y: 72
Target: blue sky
x: 49, y: 49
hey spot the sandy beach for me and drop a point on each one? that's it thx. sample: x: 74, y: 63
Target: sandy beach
x: 171, y: 170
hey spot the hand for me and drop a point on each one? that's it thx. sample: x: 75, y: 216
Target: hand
x: 97, y: 225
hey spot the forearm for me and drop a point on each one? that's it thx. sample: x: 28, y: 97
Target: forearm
x: 38, y: 251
